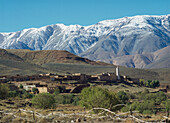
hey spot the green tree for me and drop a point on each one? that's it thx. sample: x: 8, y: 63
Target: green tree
x: 21, y: 86
x: 35, y: 90
x: 95, y: 97
x: 4, y: 90
x: 155, y: 83
x: 43, y: 100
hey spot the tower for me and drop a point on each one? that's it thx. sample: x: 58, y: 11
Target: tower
x: 117, y: 73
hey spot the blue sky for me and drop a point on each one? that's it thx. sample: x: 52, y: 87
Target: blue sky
x: 16, y: 15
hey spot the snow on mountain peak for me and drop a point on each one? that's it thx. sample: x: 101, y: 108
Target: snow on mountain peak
x: 78, y: 39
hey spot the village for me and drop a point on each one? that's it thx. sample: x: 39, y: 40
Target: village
x: 69, y: 88
x: 68, y: 83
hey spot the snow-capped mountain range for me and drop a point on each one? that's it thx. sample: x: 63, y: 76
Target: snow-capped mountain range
x: 104, y: 41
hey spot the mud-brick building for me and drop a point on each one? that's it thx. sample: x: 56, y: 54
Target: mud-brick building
x: 80, y: 77
x: 107, y: 77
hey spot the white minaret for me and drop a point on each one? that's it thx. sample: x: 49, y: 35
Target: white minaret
x: 117, y: 73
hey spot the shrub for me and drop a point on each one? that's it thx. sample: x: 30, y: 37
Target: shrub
x: 95, y: 97
x: 123, y: 97
x: 4, y: 90
x: 67, y: 99
x: 157, y: 98
x: 76, y: 100
x: 147, y: 112
x: 35, y: 90
x: 12, y: 94
x: 150, y: 84
x: 43, y: 100
x: 27, y: 95
x: 145, y: 107
x: 56, y: 91
x: 21, y: 86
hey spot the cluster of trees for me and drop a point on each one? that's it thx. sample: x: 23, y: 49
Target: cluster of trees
x: 149, y: 83
x: 47, y: 100
x: 89, y: 98
x: 148, y: 102
x: 145, y: 102
x: 5, y: 92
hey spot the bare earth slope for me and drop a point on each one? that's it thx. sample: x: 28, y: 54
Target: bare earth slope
x: 52, y: 56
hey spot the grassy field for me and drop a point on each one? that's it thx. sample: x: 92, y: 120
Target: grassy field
x: 10, y: 67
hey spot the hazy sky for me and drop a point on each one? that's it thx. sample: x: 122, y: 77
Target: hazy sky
x: 16, y: 15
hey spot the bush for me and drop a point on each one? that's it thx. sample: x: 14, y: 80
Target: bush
x: 150, y: 84
x: 157, y: 98
x: 123, y: 97
x: 95, y: 97
x: 76, y: 100
x: 145, y: 107
x: 12, y: 94
x: 35, y: 90
x: 166, y: 105
x: 56, y: 91
x: 67, y: 99
x: 21, y: 86
x: 43, y: 100
x: 4, y: 90
x: 147, y: 112
x: 27, y: 95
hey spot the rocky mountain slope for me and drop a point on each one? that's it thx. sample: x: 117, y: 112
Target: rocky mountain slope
x: 157, y: 59
x: 105, y: 41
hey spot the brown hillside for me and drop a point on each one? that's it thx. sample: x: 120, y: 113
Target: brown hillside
x: 52, y: 56
x: 10, y: 56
